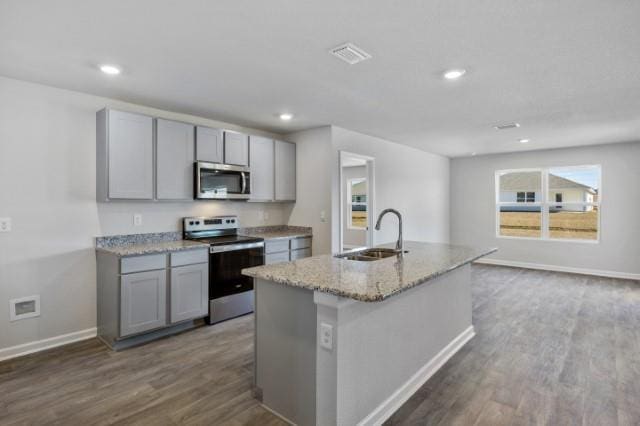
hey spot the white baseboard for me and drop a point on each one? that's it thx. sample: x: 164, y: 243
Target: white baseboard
x: 51, y: 342
x: 555, y: 268
x: 411, y: 386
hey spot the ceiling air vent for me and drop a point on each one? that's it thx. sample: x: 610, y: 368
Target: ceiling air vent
x: 507, y: 126
x: 350, y: 53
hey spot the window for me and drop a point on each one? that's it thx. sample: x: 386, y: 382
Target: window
x: 561, y: 203
x: 357, y: 198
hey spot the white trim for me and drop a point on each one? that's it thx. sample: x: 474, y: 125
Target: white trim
x: 389, y: 406
x: 51, y: 342
x: 555, y: 268
x: 275, y: 413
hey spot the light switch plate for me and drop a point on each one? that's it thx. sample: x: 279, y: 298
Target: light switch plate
x: 5, y: 224
x: 137, y: 219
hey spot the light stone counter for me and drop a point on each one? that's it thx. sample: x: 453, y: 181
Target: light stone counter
x: 140, y: 244
x: 370, y: 281
x: 277, y: 232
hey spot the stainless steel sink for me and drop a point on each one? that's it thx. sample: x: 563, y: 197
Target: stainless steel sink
x: 369, y: 255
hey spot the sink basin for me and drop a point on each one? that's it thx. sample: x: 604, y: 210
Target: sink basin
x: 369, y: 255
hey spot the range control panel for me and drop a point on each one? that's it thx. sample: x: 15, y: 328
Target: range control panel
x: 192, y: 224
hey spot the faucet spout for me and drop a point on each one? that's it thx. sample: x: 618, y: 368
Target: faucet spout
x: 400, y: 242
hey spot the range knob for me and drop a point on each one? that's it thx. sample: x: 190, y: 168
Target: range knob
x: 228, y: 221
x: 191, y: 222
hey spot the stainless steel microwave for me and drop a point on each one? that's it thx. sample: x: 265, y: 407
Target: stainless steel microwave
x: 221, y: 181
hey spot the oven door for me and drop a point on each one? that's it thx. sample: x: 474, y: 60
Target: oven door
x: 226, y: 264
x: 221, y: 181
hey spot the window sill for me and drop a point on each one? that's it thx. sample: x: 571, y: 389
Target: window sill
x: 557, y: 240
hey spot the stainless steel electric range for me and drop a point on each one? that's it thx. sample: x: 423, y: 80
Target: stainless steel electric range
x: 230, y: 293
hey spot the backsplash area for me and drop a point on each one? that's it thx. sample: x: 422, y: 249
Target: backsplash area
x: 116, y: 218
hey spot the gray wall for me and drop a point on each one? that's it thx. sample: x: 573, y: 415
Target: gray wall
x: 473, y: 208
x: 47, y: 185
x: 352, y: 237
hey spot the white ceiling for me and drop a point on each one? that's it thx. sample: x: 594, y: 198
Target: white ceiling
x: 568, y: 71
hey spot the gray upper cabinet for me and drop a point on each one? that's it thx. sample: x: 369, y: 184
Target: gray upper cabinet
x: 209, y: 145
x: 143, y: 302
x: 285, y: 171
x: 261, y: 161
x: 175, y: 154
x: 124, y: 160
x: 236, y: 148
x: 189, y: 292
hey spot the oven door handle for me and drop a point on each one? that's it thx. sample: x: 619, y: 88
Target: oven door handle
x: 235, y: 247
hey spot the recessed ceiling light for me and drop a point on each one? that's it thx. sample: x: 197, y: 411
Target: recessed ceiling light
x: 110, y: 69
x: 285, y: 116
x: 473, y: 154
x: 523, y: 140
x: 454, y: 74
x: 506, y: 126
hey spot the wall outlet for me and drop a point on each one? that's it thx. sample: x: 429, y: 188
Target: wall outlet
x: 323, y: 216
x: 5, y: 224
x: 326, y: 336
x: 137, y: 219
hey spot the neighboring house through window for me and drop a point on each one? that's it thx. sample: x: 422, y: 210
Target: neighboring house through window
x: 552, y: 203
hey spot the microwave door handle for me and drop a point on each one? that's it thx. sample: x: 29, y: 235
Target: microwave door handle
x: 244, y: 182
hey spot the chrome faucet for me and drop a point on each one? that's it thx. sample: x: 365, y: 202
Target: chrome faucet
x: 400, y: 242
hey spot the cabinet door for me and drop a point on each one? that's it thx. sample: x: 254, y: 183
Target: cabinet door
x: 143, y: 301
x: 189, y: 292
x: 174, y: 160
x: 130, y: 147
x: 300, y: 254
x: 285, y: 166
x: 270, y: 259
x: 261, y: 160
x: 209, y: 145
x: 236, y: 148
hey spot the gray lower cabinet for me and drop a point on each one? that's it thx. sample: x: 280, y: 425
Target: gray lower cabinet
x: 285, y: 250
x: 189, y: 292
x: 143, y: 302
x: 175, y: 154
x: 145, y: 297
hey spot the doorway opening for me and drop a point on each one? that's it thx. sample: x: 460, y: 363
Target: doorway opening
x: 356, y: 201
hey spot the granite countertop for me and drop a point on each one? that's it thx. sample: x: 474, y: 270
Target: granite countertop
x: 371, y: 281
x: 277, y: 232
x: 139, y: 244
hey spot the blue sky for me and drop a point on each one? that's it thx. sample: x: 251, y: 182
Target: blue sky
x: 585, y: 176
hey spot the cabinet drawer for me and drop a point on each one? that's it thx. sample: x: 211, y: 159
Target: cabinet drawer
x: 143, y: 263
x: 300, y: 243
x: 300, y: 254
x: 270, y: 259
x: 190, y: 257
x: 276, y: 246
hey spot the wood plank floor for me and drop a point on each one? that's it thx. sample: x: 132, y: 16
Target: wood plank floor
x: 550, y: 349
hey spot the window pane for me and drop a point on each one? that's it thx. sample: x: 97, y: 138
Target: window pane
x: 520, y: 187
x: 574, y: 184
x: 520, y: 221
x: 573, y: 221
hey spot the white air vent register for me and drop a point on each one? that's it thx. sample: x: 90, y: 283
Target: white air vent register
x: 350, y: 53
x: 24, y: 307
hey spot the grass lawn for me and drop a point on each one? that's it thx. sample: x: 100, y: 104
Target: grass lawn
x: 359, y: 219
x: 578, y: 225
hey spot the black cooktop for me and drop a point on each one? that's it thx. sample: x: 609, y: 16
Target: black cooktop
x: 228, y: 239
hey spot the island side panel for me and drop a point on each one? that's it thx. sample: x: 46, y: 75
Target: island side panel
x: 379, y: 347
x: 285, y: 369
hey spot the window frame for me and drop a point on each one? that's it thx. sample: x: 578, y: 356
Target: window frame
x: 350, y: 204
x: 545, y: 203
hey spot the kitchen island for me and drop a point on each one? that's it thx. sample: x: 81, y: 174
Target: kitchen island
x: 346, y: 342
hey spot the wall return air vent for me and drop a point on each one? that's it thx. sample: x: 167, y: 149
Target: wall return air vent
x: 350, y: 53
x: 506, y: 126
